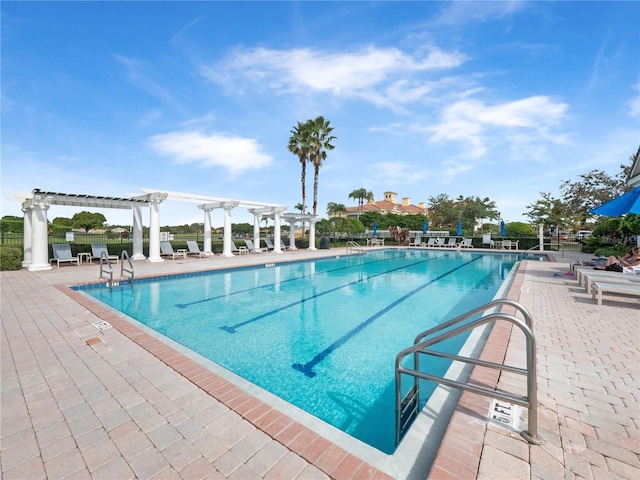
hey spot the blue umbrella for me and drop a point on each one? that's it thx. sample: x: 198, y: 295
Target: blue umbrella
x: 503, y: 233
x: 375, y: 228
x: 627, y: 203
x: 459, y: 228
x: 425, y: 226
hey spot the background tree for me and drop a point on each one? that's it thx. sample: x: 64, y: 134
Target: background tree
x: 470, y: 209
x: 361, y: 194
x: 368, y: 218
x: 336, y: 209
x: 299, y: 146
x: 88, y: 220
x: 519, y: 229
x: 319, y: 141
x: 547, y: 211
x: 593, y: 189
x: 442, y: 212
x: 63, y: 221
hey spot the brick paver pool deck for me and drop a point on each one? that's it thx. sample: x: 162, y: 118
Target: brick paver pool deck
x: 117, y: 404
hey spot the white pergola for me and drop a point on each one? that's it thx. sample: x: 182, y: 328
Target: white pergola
x: 207, y: 204
x: 36, y: 243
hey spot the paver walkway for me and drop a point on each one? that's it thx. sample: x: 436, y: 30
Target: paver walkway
x: 74, y: 407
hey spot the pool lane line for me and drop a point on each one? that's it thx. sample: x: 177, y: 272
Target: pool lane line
x: 209, y: 299
x: 233, y: 328
x: 307, y: 368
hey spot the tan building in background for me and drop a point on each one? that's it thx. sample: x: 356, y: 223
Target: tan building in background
x: 389, y: 205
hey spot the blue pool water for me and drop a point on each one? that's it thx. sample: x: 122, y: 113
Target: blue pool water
x: 322, y: 335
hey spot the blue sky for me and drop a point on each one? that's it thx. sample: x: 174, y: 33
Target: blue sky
x: 491, y: 99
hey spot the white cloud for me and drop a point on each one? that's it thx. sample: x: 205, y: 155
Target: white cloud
x: 342, y: 74
x: 521, y: 121
x: 236, y: 154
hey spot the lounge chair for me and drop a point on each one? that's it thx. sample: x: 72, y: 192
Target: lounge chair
x: 598, y: 288
x: 439, y: 242
x: 235, y: 249
x: 452, y: 243
x: 97, y: 249
x: 417, y: 242
x: 62, y: 253
x: 283, y: 246
x: 252, y: 248
x: 510, y: 245
x: 431, y: 242
x: 595, y: 276
x: 486, y: 240
x: 269, y: 244
x: 166, y: 250
x: 466, y: 243
x: 194, y: 250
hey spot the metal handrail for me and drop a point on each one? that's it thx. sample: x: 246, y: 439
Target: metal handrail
x: 125, y: 255
x: 103, y: 256
x: 421, y: 347
x: 351, y: 246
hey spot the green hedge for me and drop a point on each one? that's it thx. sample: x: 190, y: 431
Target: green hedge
x: 10, y: 257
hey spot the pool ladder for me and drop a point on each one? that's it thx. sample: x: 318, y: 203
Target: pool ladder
x: 407, y: 406
x: 354, y: 247
x: 106, y: 268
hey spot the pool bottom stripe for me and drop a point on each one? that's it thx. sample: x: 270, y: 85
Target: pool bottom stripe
x: 292, y: 279
x: 307, y: 368
x: 233, y: 328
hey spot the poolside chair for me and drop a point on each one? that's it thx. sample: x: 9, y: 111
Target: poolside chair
x: 269, y: 244
x: 235, y: 249
x: 97, y: 249
x: 439, y: 242
x: 466, y: 243
x: 194, y: 250
x: 166, y: 250
x: 252, y: 248
x: 486, y: 240
x: 62, y: 253
x: 510, y: 245
x: 431, y: 242
x: 283, y: 246
x: 417, y: 242
x: 452, y: 243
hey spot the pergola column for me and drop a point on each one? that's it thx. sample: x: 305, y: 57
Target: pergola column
x: 226, y: 242
x: 257, y: 216
x: 206, y: 244
x: 39, y: 235
x: 277, y: 239
x: 154, y: 231
x: 26, y: 235
x: 138, y: 253
x: 312, y: 234
x: 292, y: 234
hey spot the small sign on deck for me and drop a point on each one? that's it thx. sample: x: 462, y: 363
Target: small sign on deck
x: 506, y: 414
x: 101, y: 325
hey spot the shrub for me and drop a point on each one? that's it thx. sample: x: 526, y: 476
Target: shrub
x: 10, y: 258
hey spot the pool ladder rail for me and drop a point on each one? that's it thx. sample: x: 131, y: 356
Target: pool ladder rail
x: 107, y: 268
x: 407, y: 406
x: 355, y: 247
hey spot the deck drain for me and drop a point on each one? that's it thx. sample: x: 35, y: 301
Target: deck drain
x: 101, y: 325
x: 507, y: 415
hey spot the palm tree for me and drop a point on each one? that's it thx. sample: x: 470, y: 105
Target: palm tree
x: 361, y: 194
x: 299, y: 145
x: 318, y: 144
x: 334, y: 208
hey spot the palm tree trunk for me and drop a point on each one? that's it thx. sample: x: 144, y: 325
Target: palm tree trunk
x: 303, y: 178
x: 315, y: 188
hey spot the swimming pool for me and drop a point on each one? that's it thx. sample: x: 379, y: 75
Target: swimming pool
x: 322, y: 335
